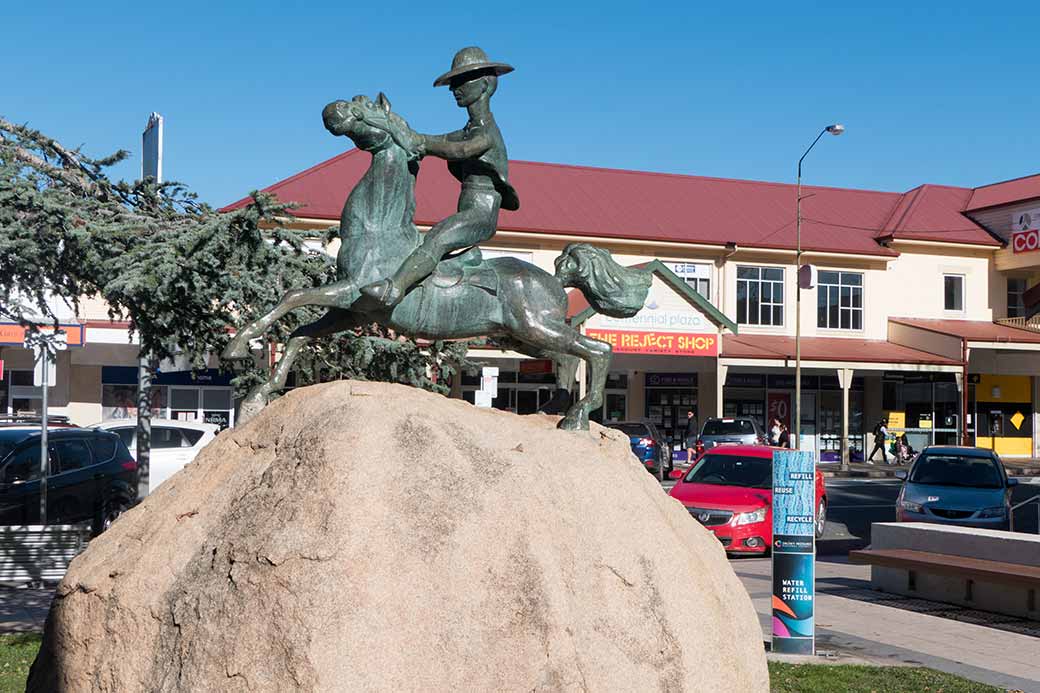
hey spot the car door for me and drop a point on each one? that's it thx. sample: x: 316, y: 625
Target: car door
x: 72, y: 486
x: 170, y: 452
x: 20, y: 487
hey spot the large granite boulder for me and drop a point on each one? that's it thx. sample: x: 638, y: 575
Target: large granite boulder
x: 372, y: 537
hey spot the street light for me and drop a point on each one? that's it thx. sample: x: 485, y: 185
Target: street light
x: 835, y: 129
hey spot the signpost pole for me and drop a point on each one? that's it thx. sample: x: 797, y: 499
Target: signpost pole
x: 794, y: 551
x: 43, y: 355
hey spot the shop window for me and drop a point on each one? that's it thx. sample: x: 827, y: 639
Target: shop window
x: 953, y: 292
x: 839, y: 301
x: 1016, y: 307
x: 760, y: 296
x: 696, y: 275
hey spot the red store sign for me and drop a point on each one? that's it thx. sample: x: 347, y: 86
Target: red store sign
x: 1025, y: 241
x: 679, y: 343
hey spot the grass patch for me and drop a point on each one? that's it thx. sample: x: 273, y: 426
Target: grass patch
x: 827, y: 678
x: 17, y: 653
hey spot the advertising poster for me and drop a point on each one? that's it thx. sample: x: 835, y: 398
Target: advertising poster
x: 794, y: 551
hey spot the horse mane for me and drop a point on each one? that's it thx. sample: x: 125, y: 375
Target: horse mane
x: 610, y: 288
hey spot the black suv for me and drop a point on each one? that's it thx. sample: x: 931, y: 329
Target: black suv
x: 92, y: 477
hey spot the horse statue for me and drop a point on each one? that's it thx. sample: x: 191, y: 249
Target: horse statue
x: 513, y: 304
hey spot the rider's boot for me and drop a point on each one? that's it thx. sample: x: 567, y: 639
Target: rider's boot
x: 413, y: 270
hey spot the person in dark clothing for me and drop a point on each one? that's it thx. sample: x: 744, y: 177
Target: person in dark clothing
x: 784, y: 439
x: 690, y: 434
x: 880, y: 434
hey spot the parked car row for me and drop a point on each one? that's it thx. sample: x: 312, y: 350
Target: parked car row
x: 92, y: 475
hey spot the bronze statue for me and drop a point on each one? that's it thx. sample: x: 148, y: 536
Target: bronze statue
x: 436, y: 294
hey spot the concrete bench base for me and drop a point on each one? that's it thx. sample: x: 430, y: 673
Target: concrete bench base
x: 976, y: 583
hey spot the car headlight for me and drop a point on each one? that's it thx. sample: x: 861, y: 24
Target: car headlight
x: 998, y: 511
x: 758, y: 515
x: 911, y: 506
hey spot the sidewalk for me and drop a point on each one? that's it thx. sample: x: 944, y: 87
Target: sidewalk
x: 880, y: 470
x: 854, y: 621
x: 24, y: 610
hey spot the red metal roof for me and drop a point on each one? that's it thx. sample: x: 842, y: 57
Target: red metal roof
x: 973, y: 330
x: 933, y: 213
x: 760, y: 346
x: 1016, y: 190
x: 584, y: 201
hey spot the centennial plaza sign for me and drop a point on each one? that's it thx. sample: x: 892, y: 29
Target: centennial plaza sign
x: 667, y: 324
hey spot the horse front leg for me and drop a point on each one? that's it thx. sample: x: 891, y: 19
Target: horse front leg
x: 565, y: 340
x: 338, y: 294
x: 334, y: 321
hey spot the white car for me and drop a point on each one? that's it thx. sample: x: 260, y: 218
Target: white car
x: 174, y: 443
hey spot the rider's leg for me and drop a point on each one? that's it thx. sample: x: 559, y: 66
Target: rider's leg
x: 475, y: 222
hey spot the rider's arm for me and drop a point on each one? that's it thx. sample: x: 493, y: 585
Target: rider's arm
x: 456, y: 146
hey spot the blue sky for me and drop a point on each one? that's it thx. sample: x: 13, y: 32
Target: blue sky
x: 930, y: 92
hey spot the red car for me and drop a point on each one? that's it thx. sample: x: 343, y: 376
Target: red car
x: 729, y: 490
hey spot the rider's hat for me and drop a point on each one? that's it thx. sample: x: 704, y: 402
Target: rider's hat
x: 471, y: 59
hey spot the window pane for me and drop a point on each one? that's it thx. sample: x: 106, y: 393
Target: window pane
x: 184, y: 399
x: 851, y: 278
x: 857, y: 320
x: 69, y: 455
x: 952, y: 286
x: 832, y: 308
x: 741, y: 312
x: 166, y: 438
x: 857, y: 298
x: 753, y: 302
x: 767, y: 292
x: 216, y: 399
x: 846, y: 319
x: 778, y: 292
x: 747, y: 273
x: 846, y: 297
x: 773, y: 274
x: 104, y: 448
x: 821, y: 306
x: 778, y: 315
x: 828, y: 277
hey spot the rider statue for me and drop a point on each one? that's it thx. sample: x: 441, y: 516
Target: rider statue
x: 476, y: 156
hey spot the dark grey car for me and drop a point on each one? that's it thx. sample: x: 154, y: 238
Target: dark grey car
x: 736, y: 430
x: 956, y: 486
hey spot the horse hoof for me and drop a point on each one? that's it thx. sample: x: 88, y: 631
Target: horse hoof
x: 573, y: 423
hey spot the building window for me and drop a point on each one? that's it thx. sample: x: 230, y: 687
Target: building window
x: 839, y: 301
x: 760, y: 296
x: 953, y: 292
x: 697, y: 276
x: 1016, y: 307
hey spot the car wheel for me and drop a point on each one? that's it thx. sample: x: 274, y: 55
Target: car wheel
x: 821, y: 519
x: 113, y: 509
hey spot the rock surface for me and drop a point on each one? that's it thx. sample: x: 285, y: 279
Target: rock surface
x: 372, y: 537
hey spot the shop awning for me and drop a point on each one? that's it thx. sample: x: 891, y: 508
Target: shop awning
x: 830, y: 350
x: 977, y: 334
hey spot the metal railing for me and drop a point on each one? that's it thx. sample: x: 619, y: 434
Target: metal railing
x: 1027, y: 501
x: 1032, y: 323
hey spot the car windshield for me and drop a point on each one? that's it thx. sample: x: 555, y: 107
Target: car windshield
x: 957, y: 470
x: 732, y: 470
x: 728, y: 427
x: 633, y: 429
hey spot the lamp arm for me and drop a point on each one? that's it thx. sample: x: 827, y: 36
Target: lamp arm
x: 809, y: 150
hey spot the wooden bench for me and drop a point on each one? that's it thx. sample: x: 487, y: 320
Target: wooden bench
x: 971, y: 569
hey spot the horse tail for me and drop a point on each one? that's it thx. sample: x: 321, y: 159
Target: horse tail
x: 611, y: 289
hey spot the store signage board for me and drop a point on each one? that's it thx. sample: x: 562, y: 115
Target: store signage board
x: 1025, y: 231
x: 794, y: 551
x: 13, y: 334
x: 676, y: 343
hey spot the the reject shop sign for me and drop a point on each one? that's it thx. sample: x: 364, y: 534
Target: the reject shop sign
x: 677, y: 343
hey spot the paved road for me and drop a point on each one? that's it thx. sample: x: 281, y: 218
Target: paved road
x: 856, y: 503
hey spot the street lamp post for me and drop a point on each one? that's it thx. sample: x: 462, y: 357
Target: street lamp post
x: 835, y: 129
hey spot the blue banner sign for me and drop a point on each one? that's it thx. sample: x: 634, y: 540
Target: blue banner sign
x: 794, y: 551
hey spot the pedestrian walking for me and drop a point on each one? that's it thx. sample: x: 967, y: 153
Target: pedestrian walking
x: 774, y: 431
x: 690, y: 434
x: 783, y: 440
x: 880, y: 434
